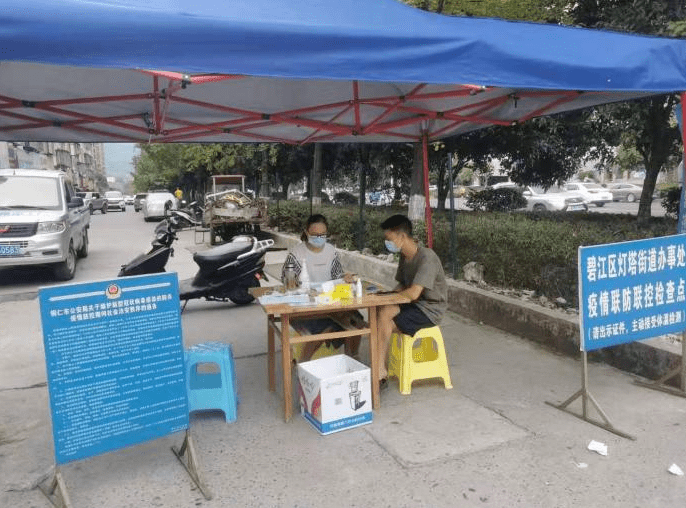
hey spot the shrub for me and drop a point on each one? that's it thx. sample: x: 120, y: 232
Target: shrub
x: 671, y: 197
x: 504, y: 199
x: 345, y: 198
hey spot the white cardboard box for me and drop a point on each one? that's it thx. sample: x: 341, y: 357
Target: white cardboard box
x: 335, y: 393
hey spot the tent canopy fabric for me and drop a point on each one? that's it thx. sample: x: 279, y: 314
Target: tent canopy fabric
x: 298, y: 72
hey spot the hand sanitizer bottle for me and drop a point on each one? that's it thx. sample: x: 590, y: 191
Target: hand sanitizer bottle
x: 304, y: 277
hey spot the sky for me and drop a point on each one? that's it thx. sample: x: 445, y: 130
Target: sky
x: 118, y: 160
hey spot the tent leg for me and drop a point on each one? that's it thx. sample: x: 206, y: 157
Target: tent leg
x: 427, y: 209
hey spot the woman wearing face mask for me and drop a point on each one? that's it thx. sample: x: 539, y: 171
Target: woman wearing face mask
x: 323, y: 264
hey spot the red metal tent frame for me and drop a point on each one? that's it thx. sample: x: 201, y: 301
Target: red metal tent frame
x: 424, y: 111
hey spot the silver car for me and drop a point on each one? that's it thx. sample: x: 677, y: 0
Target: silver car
x: 591, y: 192
x: 42, y: 221
x: 626, y: 192
x: 115, y: 201
x: 158, y: 204
x: 539, y: 199
x: 554, y: 199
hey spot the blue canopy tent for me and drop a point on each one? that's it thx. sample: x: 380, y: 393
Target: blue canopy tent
x: 299, y: 72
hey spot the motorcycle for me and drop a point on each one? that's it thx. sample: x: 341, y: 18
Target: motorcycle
x: 225, y: 272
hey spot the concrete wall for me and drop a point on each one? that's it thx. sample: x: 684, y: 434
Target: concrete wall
x: 551, y: 328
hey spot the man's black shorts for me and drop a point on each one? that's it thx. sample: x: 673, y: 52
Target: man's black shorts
x: 410, y: 319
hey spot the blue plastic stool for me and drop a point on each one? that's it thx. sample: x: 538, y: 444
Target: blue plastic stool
x: 216, y: 389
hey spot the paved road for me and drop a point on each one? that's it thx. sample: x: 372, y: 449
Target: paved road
x: 115, y: 238
x: 617, y: 207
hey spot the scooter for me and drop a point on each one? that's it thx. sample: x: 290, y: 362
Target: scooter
x: 188, y: 216
x: 156, y: 258
x: 226, y: 272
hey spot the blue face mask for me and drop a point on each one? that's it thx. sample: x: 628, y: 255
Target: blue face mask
x: 391, y: 246
x: 316, y: 241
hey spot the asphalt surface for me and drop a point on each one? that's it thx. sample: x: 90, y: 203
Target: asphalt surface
x: 490, y: 441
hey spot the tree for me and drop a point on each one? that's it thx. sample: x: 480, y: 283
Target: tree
x: 550, y: 150
x: 190, y: 165
x: 645, y: 124
x: 628, y: 158
x: 526, y: 10
x: 474, y: 149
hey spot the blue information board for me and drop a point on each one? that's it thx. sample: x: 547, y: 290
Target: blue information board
x: 631, y: 290
x: 115, y: 363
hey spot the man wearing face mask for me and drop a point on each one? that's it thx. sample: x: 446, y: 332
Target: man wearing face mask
x: 323, y: 264
x: 420, y: 278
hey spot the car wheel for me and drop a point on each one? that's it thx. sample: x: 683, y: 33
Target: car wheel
x: 600, y: 205
x: 90, y: 209
x: 103, y: 210
x: 539, y: 207
x: 67, y: 268
x: 83, y: 251
x: 630, y: 198
x: 167, y: 207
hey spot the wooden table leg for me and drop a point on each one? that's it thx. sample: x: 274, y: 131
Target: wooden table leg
x: 374, y: 358
x: 271, y: 351
x: 286, y: 361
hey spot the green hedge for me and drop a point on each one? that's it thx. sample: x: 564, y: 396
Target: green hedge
x: 518, y: 250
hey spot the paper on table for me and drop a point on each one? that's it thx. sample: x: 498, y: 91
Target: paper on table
x: 328, y: 286
x: 674, y: 469
x: 598, y: 447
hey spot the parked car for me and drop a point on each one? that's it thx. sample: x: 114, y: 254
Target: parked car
x: 94, y: 201
x: 128, y: 199
x: 593, y: 193
x: 115, y: 201
x: 42, y: 221
x: 138, y: 201
x: 157, y: 205
x: 626, y: 192
x: 539, y: 199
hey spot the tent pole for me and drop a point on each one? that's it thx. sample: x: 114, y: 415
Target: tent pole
x: 363, y: 195
x: 453, y: 237
x: 427, y: 209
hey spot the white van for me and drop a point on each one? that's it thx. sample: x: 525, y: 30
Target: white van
x: 42, y: 221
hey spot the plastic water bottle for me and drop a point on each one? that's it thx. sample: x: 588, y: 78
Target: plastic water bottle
x: 304, y: 277
x: 358, y: 288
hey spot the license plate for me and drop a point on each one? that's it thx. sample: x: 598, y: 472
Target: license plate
x: 10, y: 250
x: 573, y: 208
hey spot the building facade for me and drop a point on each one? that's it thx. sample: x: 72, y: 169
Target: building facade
x: 84, y: 162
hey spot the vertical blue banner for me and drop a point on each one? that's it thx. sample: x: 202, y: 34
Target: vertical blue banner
x: 631, y: 290
x: 115, y: 363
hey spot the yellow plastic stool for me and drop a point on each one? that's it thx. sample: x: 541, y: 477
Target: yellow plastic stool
x: 321, y: 352
x: 426, y: 361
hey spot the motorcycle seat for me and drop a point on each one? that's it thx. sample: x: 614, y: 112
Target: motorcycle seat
x: 222, y: 254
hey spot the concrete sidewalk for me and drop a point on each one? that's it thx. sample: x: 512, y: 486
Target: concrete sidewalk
x: 490, y: 441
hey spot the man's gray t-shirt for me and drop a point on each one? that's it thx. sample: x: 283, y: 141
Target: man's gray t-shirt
x: 425, y: 269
